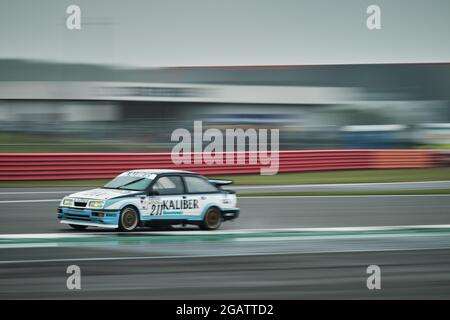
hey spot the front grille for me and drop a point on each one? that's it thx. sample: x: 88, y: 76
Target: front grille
x: 80, y: 204
x: 76, y: 209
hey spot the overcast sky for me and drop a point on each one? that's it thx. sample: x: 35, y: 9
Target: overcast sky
x: 228, y: 32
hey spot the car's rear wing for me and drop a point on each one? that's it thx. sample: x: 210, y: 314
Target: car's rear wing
x: 220, y: 183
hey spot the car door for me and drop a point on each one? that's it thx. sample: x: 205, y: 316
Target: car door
x: 201, y: 194
x: 166, y: 199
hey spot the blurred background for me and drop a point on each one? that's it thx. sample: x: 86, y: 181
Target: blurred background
x: 81, y: 107
x: 136, y: 70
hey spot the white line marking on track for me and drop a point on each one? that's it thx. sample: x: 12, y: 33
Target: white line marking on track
x: 346, y: 196
x: 37, y: 192
x: 272, y: 197
x: 221, y: 232
x: 261, y: 186
x: 30, y: 201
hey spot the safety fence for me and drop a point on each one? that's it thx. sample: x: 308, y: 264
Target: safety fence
x: 66, y: 166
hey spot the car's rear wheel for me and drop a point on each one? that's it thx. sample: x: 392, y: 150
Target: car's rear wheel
x: 129, y: 219
x: 77, y: 226
x: 212, y: 220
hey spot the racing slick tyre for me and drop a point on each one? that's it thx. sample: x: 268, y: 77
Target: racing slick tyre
x: 129, y: 219
x: 77, y: 226
x: 213, y: 219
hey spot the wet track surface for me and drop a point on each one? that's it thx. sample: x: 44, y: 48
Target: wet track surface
x: 273, y: 266
x: 405, y: 274
x: 27, y: 215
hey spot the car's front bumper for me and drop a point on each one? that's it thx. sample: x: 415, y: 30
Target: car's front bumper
x: 230, y: 214
x: 89, y: 217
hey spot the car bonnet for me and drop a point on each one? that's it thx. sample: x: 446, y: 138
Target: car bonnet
x: 103, y: 194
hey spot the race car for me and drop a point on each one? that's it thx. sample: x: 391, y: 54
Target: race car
x: 154, y: 198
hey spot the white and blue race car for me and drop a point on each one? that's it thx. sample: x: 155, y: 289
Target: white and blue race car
x: 151, y: 198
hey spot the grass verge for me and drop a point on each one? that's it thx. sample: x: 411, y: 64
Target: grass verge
x: 345, y: 176
x: 345, y: 193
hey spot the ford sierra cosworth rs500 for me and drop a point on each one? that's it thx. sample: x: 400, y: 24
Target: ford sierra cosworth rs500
x: 151, y: 198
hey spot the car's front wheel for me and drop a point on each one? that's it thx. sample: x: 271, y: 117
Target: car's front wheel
x: 213, y: 219
x: 129, y: 219
x: 77, y: 226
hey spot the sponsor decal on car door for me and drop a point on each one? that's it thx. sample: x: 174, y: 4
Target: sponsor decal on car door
x: 166, y: 205
x: 195, y: 205
x: 203, y: 193
x: 170, y: 202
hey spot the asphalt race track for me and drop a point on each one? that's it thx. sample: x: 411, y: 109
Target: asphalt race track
x: 405, y: 274
x: 280, y: 248
x: 25, y: 212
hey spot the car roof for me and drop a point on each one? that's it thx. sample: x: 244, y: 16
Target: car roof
x: 159, y: 171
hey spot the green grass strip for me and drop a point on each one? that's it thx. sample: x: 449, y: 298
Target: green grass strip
x: 155, y: 238
x: 347, y: 193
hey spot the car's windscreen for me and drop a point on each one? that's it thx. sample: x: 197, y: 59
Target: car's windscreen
x: 128, y: 183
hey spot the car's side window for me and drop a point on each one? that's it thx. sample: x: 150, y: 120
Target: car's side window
x: 199, y: 185
x: 169, y: 185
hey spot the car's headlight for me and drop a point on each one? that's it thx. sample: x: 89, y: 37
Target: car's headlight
x: 68, y: 202
x: 96, y: 204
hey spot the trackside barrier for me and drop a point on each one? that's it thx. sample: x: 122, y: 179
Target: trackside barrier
x: 66, y: 166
